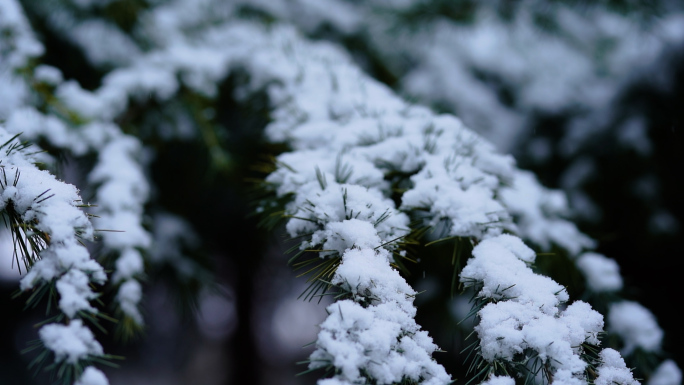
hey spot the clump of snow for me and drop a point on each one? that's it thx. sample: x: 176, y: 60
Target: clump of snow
x: 48, y: 74
x: 75, y: 292
x: 506, y: 327
x: 70, y: 343
x: 636, y: 325
x: 602, y: 274
x: 379, y: 340
x: 129, y: 296
x: 613, y: 370
x: 92, y: 376
x: 322, y: 212
x: 496, y: 266
x: 499, y: 380
x: 667, y: 373
x: 128, y: 265
x: 366, y: 274
x: 17, y: 43
x: 524, y: 312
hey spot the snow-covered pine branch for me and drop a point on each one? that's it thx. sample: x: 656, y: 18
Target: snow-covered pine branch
x: 48, y: 228
x: 72, y: 125
x: 455, y: 176
x: 364, y: 164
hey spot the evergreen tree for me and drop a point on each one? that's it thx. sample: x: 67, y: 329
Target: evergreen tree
x: 210, y: 138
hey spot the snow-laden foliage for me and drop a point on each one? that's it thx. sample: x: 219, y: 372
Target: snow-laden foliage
x: 558, y: 56
x: 455, y: 177
x: 70, y: 343
x: 365, y: 174
x: 540, y: 214
x: 48, y: 229
x: 525, y: 65
x: 70, y: 123
x: 613, y: 370
x: 525, y: 315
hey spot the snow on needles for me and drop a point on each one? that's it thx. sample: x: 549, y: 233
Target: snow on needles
x: 50, y: 206
x: 500, y: 267
x: 524, y: 314
x: 524, y: 309
x: 122, y: 188
x: 354, y: 143
x: 613, y: 370
x: 457, y: 177
x: 40, y: 198
x: 70, y: 343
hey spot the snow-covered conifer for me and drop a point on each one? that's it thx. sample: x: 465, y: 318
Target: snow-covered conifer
x: 361, y: 177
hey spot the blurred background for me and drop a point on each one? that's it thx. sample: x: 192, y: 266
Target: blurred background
x: 589, y: 95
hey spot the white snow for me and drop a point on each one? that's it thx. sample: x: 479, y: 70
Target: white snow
x: 350, y: 136
x: 503, y: 275
x: 636, y: 325
x: 48, y: 74
x: 37, y: 195
x: 129, y: 296
x: 499, y: 380
x: 540, y: 213
x: 613, y: 370
x: 128, y: 265
x: 602, y: 274
x: 667, y: 373
x: 75, y: 292
x: 525, y: 310
x: 92, y: 376
x: 70, y: 343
